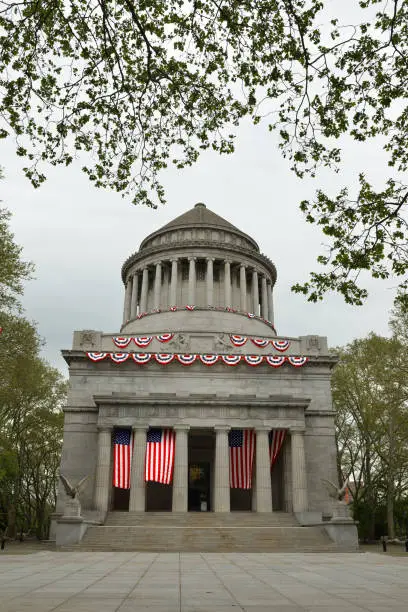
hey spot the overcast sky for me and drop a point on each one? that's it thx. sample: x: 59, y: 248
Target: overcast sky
x: 78, y: 237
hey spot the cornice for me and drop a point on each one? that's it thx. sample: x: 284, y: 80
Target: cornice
x: 199, y: 399
x: 75, y: 355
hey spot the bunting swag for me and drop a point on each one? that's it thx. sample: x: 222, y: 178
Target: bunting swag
x: 241, y: 444
x: 276, y: 439
x: 160, y: 450
x: 121, y: 341
x: 142, y: 341
x: 279, y: 345
x: 276, y: 361
x: 238, y: 340
x: 122, y: 450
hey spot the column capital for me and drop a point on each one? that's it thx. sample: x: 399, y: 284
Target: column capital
x: 105, y: 428
x: 297, y: 429
x: 210, y: 258
x: 181, y: 427
x: 262, y: 428
x: 145, y: 268
x: 242, y: 265
x: 222, y: 428
x: 139, y: 426
x: 227, y: 260
x: 158, y: 263
x: 174, y: 259
x: 192, y: 258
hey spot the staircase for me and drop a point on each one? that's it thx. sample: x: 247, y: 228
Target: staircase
x: 203, y: 532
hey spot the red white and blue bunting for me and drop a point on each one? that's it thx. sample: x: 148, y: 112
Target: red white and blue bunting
x: 165, y: 337
x: 121, y: 341
x: 261, y: 342
x: 297, y: 362
x: 238, y: 340
x: 279, y: 345
x: 209, y: 360
x: 142, y: 341
x: 141, y: 358
x: 164, y: 358
x: 276, y: 361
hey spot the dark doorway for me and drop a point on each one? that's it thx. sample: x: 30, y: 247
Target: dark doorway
x: 158, y: 497
x: 241, y: 500
x: 199, y: 487
x: 201, y: 448
x: 121, y: 499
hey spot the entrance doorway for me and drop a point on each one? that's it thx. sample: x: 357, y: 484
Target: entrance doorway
x: 120, y: 499
x: 201, y: 448
x: 199, y: 487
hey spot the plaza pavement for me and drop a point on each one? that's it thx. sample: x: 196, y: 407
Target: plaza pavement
x: 207, y: 582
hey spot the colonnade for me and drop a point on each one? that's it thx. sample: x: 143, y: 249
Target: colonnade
x: 262, y: 492
x: 259, y: 302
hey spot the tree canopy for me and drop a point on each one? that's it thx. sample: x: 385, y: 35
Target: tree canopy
x: 370, y: 394
x: 31, y: 397
x: 139, y: 86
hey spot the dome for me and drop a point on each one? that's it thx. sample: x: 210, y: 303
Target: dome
x: 203, y: 263
x: 199, y: 217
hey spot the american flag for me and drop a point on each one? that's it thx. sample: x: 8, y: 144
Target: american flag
x: 241, y: 447
x: 160, y: 449
x: 122, y: 453
x: 276, y: 439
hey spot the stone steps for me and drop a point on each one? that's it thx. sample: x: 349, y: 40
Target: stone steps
x: 201, y: 519
x: 203, y: 532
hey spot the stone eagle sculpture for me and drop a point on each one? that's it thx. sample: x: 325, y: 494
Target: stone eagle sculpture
x: 73, y: 491
x: 334, y: 491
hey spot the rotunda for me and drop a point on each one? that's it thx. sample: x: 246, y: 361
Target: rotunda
x: 199, y: 259
x: 195, y: 404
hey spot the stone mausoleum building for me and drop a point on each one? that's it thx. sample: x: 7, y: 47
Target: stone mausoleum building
x: 198, y: 354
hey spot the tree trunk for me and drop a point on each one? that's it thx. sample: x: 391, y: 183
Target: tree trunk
x: 390, y: 512
x: 11, y: 521
x: 370, y: 494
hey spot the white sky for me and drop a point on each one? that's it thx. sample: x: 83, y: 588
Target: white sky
x: 78, y: 237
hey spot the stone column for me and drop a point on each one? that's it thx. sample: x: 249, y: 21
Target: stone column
x: 210, y: 281
x: 221, y: 476
x: 227, y: 282
x: 137, y: 499
x: 180, y: 478
x: 255, y: 292
x: 264, y: 298
x: 173, y: 282
x: 103, y: 475
x: 299, y: 478
x: 270, y: 303
x: 128, y: 297
x: 135, y: 290
x: 157, y: 285
x: 263, y: 471
x: 191, y: 280
x: 243, y: 291
x: 143, y: 297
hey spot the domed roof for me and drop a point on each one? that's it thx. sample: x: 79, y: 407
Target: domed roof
x: 199, y: 216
